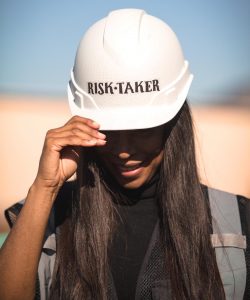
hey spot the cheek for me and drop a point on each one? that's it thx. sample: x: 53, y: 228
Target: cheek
x: 156, y: 160
x: 150, y: 169
x: 153, y: 151
x: 152, y: 166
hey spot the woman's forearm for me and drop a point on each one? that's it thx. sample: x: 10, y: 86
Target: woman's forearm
x: 20, y: 254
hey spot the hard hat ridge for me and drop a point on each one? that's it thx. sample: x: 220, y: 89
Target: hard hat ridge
x: 121, y: 38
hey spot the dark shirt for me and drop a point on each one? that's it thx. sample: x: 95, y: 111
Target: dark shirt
x: 138, y: 214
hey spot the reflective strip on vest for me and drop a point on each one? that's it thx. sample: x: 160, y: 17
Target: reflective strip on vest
x: 229, y: 243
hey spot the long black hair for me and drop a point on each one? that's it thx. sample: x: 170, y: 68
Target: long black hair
x: 82, y: 262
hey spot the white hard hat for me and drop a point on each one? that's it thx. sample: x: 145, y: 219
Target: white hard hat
x: 129, y: 72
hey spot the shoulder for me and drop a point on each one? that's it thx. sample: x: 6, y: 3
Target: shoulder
x: 59, y: 210
x: 222, y: 194
x: 227, y: 198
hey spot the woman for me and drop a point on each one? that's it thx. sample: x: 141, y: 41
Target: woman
x: 136, y: 223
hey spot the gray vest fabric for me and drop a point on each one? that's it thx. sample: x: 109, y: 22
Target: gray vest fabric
x: 47, y: 261
x: 229, y: 242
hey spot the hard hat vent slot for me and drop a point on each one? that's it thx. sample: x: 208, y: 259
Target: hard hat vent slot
x: 77, y: 97
x: 79, y: 100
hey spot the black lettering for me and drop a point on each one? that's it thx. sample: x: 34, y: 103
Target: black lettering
x: 128, y: 88
x: 123, y: 87
x: 138, y: 85
x: 90, y: 88
x: 109, y: 88
x: 120, y: 86
x: 96, y: 87
x: 100, y: 88
x: 148, y: 86
x: 156, y: 85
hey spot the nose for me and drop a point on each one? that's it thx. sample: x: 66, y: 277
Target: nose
x: 124, y: 146
x: 124, y: 155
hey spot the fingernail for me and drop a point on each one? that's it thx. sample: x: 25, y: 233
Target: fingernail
x: 95, y: 124
x: 102, y: 142
x: 101, y: 135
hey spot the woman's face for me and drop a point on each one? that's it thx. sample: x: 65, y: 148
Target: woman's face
x: 133, y: 156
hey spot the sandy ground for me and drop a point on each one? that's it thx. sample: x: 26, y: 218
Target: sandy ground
x: 222, y: 144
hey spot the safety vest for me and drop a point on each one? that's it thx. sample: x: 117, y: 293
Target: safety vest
x: 228, y: 239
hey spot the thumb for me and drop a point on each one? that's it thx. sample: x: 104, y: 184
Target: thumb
x: 70, y: 157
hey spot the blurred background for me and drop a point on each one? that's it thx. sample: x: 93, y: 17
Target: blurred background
x: 38, y: 42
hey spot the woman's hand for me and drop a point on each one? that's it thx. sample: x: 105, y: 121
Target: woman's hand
x: 61, y: 151
x: 58, y: 162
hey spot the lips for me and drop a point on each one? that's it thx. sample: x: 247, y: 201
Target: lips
x: 129, y: 170
x: 125, y: 168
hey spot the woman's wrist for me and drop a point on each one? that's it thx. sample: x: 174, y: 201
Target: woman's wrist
x: 39, y: 191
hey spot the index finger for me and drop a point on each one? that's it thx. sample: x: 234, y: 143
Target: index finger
x: 87, y: 121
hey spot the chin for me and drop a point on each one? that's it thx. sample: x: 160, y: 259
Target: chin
x: 132, y: 184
